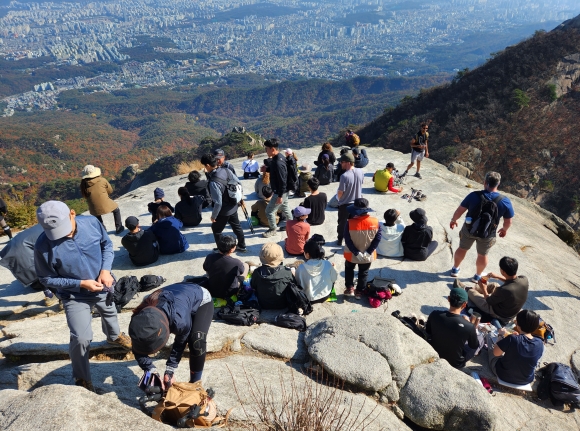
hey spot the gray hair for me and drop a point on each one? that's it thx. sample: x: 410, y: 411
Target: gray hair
x: 492, y: 179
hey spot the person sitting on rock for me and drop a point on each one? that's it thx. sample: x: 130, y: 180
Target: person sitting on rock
x: 417, y: 238
x: 159, y: 196
x: 167, y: 231
x: 361, y: 236
x: 259, y: 208
x: 250, y: 167
x: 351, y: 138
x: 225, y: 272
x: 3, y: 212
x: 384, y: 180
x: 263, y: 179
x: 514, y: 358
x: 360, y: 157
x: 292, y: 169
x: 141, y: 244
x: 298, y: 231
x: 183, y: 309
x: 495, y: 301
x: 316, y: 202
x: 198, y: 187
x: 326, y: 150
x: 189, y: 208
x: 271, y: 279
x: 303, y: 178
x: 324, y: 173
x: 391, y: 233
x: 317, y: 275
x: 453, y: 336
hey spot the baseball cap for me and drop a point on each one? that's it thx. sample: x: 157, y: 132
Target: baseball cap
x: 149, y: 331
x: 54, y: 217
x: 458, y: 293
x: 131, y: 222
x: 390, y: 165
x: 301, y: 211
x: 218, y: 152
x: 347, y: 157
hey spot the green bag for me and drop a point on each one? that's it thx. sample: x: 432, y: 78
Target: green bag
x: 255, y: 221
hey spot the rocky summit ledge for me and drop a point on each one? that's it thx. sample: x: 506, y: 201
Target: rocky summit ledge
x: 551, y: 266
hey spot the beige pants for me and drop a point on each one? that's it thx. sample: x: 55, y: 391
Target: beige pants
x: 476, y: 297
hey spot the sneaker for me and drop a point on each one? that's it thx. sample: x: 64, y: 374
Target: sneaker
x: 357, y: 294
x: 458, y: 284
x: 85, y: 384
x: 455, y: 272
x: 476, y: 278
x: 122, y: 340
x: 269, y: 233
x: 241, y: 249
x: 49, y: 302
x: 349, y: 291
x: 418, y: 175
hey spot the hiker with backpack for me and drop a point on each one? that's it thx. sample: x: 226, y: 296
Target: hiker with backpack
x: 189, y: 208
x: 384, y: 179
x: 220, y: 157
x: 272, y: 278
x: 3, y: 225
x: 74, y: 255
x: 351, y: 138
x: 141, y: 244
x: 198, y: 187
x: 250, y: 167
x: 96, y: 190
x: 419, y: 149
x: 159, y: 199
x: 452, y: 335
x: 324, y: 173
x: 417, y: 239
x: 225, y: 206
x: 292, y: 164
x: 317, y: 275
x: 514, y: 357
x: 495, y: 301
x: 183, y: 309
x: 349, y: 189
x: 484, y: 209
x: 167, y: 230
x: 361, y: 237
x: 279, y: 182
x: 225, y: 273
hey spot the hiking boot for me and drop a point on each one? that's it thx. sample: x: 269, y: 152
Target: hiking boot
x: 269, y: 233
x: 85, y: 384
x: 459, y: 284
x: 241, y: 249
x: 49, y: 302
x: 418, y: 175
x: 122, y: 340
x: 349, y: 291
x: 455, y: 272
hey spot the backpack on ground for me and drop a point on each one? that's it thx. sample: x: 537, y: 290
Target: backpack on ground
x: 298, y: 302
x: 291, y: 321
x: 241, y: 315
x: 150, y: 282
x: 233, y: 187
x: 486, y: 219
x: 545, y: 331
x: 558, y: 382
x: 412, y: 324
x: 379, y: 290
x: 125, y: 289
x: 188, y: 405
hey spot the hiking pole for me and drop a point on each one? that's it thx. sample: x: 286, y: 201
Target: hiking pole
x: 248, y: 218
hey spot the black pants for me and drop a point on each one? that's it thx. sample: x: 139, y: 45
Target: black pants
x: 342, y: 219
x: 116, y: 216
x: 220, y: 223
x: 363, y: 272
x: 198, y: 340
x: 249, y: 175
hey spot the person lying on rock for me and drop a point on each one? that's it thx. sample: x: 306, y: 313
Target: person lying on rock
x: 74, y: 255
x: 453, y: 336
x: 270, y: 280
x: 417, y: 238
x: 225, y: 272
x: 182, y: 309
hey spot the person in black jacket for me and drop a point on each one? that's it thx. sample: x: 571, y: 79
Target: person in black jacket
x: 278, y: 181
x: 141, y: 244
x: 326, y: 149
x: 183, y: 309
x: 360, y: 157
x: 225, y: 209
x: 292, y: 168
x: 270, y: 280
x: 198, y: 187
x: 3, y: 212
x: 188, y: 209
x: 159, y: 196
x: 417, y: 238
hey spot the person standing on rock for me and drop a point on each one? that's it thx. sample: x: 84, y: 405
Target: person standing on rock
x: 419, y: 149
x: 349, y: 189
x: 484, y: 209
x: 182, y: 309
x: 225, y: 208
x: 220, y: 157
x: 74, y: 255
x: 96, y: 190
x: 279, y: 183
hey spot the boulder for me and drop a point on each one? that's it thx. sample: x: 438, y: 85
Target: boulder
x: 278, y: 342
x: 368, y: 350
x: 459, y: 169
x: 437, y: 396
x: 60, y: 407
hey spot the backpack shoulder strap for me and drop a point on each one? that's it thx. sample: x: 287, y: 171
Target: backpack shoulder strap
x: 498, y: 199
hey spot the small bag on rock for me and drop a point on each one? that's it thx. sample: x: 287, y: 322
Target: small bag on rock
x: 242, y: 315
x: 298, y: 302
x: 558, y: 382
x: 545, y: 331
x: 150, y: 282
x: 291, y: 321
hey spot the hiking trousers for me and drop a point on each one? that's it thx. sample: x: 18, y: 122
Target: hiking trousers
x: 272, y: 208
x: 116, y: 216
x: 78, y: 318
x: 363, y: 273
x: 233, y: 220
x: 201, y: 322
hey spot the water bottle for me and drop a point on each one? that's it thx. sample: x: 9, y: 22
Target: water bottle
x: 467, y: 220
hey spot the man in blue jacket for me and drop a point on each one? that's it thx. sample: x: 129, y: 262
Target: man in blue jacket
x: 74, y: 256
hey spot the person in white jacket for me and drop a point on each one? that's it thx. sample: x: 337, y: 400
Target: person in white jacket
x: 391, y: 230
x: 317, y: 275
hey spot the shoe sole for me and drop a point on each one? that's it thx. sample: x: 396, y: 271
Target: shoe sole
x: 454, y: 274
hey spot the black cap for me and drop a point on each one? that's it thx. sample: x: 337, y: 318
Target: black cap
x: 218, y: 152
x: 131, y: 222
x: 390, y: 165
x: 149, y: 330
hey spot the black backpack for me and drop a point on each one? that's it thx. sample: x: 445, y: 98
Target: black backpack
x: 411, y: 324
x: 125, y: 289
x: 297, y: 300
x: 486, y: 219
x: 241, y: 315
x: 150, y: 282
x: 291, y: 321
x: 558, y: 383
